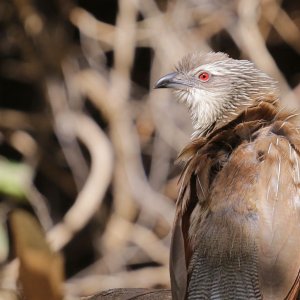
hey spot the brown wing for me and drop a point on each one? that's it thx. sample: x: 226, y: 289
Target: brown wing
x: 241, y: 185
x: 278, y: 205
x: 255, y: 204
x: 181, y: 250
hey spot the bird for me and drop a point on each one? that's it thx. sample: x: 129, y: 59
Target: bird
x: 236, y: 232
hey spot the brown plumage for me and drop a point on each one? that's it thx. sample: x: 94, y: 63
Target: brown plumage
x: 236, y: 232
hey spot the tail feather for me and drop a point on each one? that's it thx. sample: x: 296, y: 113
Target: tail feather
x: 234, y: 278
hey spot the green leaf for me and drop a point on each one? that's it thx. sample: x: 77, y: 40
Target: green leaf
x: 15, y: 178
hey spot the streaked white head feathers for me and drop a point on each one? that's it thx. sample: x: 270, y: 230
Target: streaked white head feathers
x: 215, y: 87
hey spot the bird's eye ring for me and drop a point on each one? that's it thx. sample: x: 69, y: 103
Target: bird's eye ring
x: 204, y: 76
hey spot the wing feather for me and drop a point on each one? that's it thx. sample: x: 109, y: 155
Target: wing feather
x: 240, y: 194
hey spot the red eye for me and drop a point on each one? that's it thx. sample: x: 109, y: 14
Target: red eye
x: 204, y: 76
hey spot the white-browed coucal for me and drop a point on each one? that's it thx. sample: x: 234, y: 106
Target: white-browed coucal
x: 237, y: 227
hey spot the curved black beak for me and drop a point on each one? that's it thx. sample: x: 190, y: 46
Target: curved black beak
x: 171, y: 80
x: 166, y: 81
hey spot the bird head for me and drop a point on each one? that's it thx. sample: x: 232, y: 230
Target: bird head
x: 216, y: 88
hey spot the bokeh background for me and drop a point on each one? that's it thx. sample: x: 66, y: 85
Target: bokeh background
x: 87, y: 147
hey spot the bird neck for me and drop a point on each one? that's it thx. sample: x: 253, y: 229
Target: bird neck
x: 207, y: 122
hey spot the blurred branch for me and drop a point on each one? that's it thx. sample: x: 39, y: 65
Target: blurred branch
x: 247, y: 35
x: 90, y: 197
x: 91, y: 27
x: 64, y: 128
x: 146, y: 277
x: 12, y: 119
x: 125, y: 141
x: 283, y: 24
